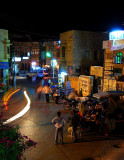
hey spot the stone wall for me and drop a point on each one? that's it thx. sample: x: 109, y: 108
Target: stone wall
x: 79, y: 50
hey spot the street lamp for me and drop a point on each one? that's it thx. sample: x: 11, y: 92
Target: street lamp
x: 48, y: 54
x: 13, y: 64
x: 14, y: 72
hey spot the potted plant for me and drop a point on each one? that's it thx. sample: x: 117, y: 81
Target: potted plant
x: 12, y: 143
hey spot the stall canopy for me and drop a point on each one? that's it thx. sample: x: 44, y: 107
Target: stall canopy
x: 108, y: 93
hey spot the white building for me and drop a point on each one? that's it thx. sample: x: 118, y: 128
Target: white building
x: 4, y: 54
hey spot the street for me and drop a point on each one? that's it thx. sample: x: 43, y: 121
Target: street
x: 37, y: 125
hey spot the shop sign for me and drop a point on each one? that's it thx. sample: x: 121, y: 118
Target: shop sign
x: 118, y: 44
x: 4, y: 65
x: 107, y: 44
x: 113, y: 44
x: 117, y: 47
x: 116, y: 35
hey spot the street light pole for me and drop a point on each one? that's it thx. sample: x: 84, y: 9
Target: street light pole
x: 53, y: 68
x: 14, y: 77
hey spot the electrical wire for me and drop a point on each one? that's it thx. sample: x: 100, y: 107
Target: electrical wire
x: 16, y: 24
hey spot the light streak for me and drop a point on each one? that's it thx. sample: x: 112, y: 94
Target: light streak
x: 5, y: 102
x: 27, y: 107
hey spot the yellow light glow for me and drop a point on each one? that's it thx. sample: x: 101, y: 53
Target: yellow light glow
x: 5, y: 102
x: 25, y: 110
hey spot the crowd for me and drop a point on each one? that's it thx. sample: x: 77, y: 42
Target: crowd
x: 94, y: 116
x: 44, y: 90
x: 87, y: 115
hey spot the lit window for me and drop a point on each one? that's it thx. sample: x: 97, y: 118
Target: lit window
x: 119, y: 58
x: 86, y: 54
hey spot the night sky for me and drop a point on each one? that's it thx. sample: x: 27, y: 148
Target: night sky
x: 48, y: 20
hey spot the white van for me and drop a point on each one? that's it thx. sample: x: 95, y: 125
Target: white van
x: 36, y: 73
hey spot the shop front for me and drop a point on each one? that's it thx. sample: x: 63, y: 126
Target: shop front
x: 114, y: 60
x: 85, y: 85
x: 4, y: 74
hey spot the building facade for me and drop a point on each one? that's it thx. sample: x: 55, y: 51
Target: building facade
x: 4, y: 53
x: 31, y: 55
x: 79, y: 50
x: 53, y: 53
x: 114, y: 62
x: 26, y: 55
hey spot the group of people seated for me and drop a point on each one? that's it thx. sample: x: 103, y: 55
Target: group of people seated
x: 87, y: 118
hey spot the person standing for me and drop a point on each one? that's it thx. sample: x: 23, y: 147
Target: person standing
x: 59, y: 123
x: 49, y: 82
x: 42, y: 81
x: 47, y: 91
x: 75, y: 123
x: 57, y: 94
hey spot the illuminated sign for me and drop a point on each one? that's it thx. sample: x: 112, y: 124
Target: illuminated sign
x: 33, y: 63
x: 113, y: 44
x: 54, y: 63
x: 48, y: 54
x: 107, y: 44
x: 116, y: 35
x: 4, y: 65
x: 17, y: 59
x: 25, y: 57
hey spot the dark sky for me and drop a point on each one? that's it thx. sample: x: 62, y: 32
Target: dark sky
x: 49, y: 19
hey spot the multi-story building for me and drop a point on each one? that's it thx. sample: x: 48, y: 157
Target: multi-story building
x: 114, y: 62
x: 79, y: 50
x: 4, y: 53
x: 29, y: 55
x: 53, y: 53
x: 26, y: 55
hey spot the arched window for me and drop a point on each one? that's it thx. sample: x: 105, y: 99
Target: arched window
x: 119, y: 58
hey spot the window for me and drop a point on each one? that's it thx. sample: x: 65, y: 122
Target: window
x: 95, y: 55
x: 25, y: 66
x: 78, y: 70
x: 119, y: 58
x: 8, y: 50
x: 22, y: 66
x: 63, y: 51
x: 58, y: 53
x: 102, y: 55
x: 117, y: 71
x: 86, y: 54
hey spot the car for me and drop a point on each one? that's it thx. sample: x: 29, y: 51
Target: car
x: 36, y: 73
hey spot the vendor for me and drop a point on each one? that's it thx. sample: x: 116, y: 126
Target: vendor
x: 57, y: 92
x: 73, y: 97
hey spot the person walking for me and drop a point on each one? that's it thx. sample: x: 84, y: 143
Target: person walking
x: 59, y: 123
x: 39, y: 92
